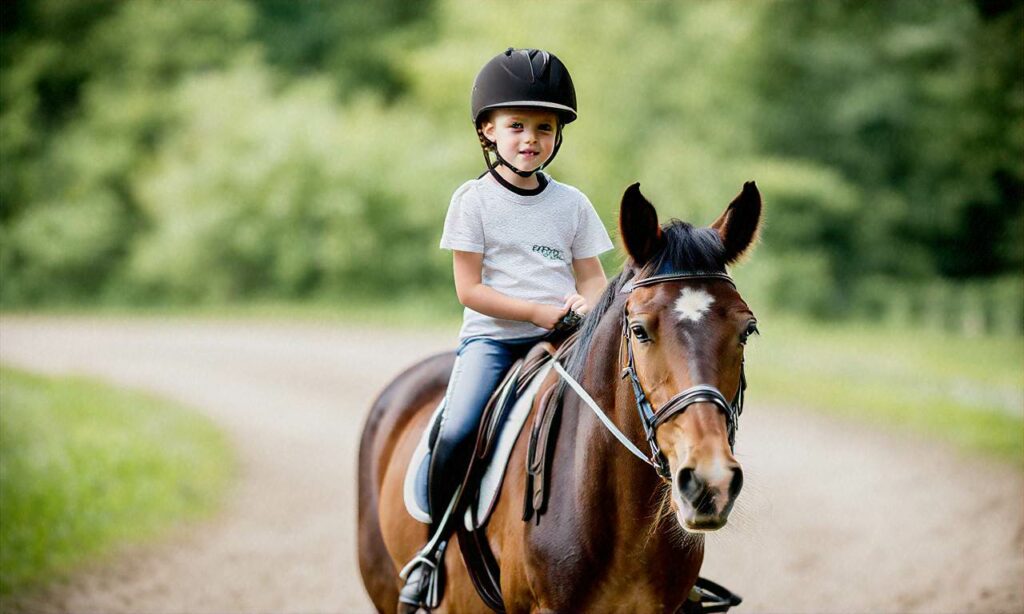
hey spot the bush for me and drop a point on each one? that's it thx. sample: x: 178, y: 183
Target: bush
x: 265, y: 193
x: 61, y: 250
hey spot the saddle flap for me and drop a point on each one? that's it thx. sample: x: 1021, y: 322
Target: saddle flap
x: 494, y: 412
x: 501, y: 451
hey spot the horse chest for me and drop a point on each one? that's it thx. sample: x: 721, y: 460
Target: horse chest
x: 614, y: 592
x: 570, y: 572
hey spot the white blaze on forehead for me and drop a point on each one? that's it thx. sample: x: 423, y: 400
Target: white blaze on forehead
x: 693, y: 304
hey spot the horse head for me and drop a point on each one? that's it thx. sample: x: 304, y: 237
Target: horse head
x: 684, y: 330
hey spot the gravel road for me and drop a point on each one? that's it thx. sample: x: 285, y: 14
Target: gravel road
x: 834, y: 517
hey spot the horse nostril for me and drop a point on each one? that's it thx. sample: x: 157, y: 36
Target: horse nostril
x: 687, y: 483
x: 737, y: 482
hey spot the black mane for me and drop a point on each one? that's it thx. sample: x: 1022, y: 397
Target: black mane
x: 686, y: 248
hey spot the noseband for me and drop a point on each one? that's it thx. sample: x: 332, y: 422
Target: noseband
x: 649, y: 417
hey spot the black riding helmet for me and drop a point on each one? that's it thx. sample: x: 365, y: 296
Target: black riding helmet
x: 529, y: 78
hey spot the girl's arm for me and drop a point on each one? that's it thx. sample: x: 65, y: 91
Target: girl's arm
x: 486, y: 300
x: 590, y: 279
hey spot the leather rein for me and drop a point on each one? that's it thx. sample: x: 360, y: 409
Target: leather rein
x: 649, y: 417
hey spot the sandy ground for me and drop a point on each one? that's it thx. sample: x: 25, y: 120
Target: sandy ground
x: 833, y: 517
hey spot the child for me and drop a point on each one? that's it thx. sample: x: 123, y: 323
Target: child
x: 525, y: 250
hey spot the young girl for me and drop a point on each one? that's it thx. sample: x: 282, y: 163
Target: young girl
x: 525, y: 250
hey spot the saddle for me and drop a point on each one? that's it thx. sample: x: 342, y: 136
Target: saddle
x: 503, y: 418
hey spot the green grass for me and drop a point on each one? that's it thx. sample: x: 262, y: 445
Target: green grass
x: 428, y: 311
x: 966, y: 391
x: 85, y: 468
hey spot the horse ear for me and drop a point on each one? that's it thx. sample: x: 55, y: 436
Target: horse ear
x: 739, y: 223
x: 638, y: 225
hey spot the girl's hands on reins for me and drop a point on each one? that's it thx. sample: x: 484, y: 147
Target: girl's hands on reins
x: 577, y: 303
x: 548, y: 316
x: 578, y: 307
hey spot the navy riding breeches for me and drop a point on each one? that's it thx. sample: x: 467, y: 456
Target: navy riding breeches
x: 480, y: 365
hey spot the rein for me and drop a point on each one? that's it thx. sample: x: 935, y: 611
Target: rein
x: 649, y: 417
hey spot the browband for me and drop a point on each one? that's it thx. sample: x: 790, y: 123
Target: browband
x: 662, y: 278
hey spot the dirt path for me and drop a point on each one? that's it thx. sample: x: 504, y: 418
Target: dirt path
x: 833, y: 517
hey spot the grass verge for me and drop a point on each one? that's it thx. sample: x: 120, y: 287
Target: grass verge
x: 85, y: 467
x: 966, y: 391
x: 439, y: 312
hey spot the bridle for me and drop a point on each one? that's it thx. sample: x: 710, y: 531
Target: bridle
x: 701, y: 393
x: 649, y: 417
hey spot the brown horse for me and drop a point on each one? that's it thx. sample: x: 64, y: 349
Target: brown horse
x: 606, y: 542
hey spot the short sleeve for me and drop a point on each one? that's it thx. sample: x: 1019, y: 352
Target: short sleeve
x: 591, y: 236
x: 463, y: 226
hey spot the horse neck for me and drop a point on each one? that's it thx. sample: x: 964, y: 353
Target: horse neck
x: 601, y: 527
x: 612, y: 485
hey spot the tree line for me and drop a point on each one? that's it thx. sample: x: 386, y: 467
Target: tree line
x: 186, y: 151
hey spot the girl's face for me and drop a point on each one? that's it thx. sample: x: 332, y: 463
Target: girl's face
x: 524, y: 137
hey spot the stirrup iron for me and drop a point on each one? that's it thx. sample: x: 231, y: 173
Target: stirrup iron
x: 709, y: 597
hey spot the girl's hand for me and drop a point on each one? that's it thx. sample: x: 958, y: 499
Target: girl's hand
x: 577, y: 303
x: 546, y: 316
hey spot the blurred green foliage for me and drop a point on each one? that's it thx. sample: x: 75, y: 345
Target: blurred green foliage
x: 967, y: 391
x: 85, y: 468
x: 187, y: 152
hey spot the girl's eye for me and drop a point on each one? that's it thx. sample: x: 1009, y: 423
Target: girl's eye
x: 751, y: 330
x: 639, y: 332
x: 517, y: 125
x: 545, y: 128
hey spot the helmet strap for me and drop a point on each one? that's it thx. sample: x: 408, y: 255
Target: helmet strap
x: 486, y: 145
x: 554, y: 151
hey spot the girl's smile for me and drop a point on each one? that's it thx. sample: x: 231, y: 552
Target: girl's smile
x: 524, y: 137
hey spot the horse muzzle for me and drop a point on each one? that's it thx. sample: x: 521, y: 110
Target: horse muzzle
x: 704, y: 498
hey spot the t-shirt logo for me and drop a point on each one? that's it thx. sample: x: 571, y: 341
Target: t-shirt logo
x: 549, y: 252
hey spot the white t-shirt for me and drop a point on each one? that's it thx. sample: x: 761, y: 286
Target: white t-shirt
x: 528, y: 244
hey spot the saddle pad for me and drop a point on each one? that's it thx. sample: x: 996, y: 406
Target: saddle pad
x: 416, y: 507
x: 478, y: 512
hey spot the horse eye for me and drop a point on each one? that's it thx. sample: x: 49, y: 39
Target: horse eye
x: 751, y: 330
x: 639, y: 332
